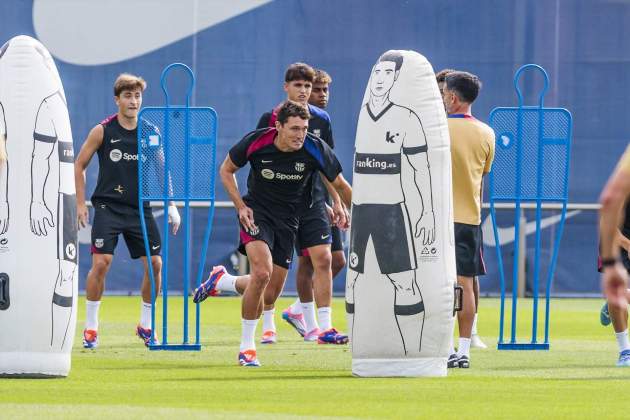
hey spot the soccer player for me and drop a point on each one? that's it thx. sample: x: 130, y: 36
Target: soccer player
x: 378, y: 171
x: 472, y: 153
x: 320, y: 93
x: 615, y: 275
x: 283, y: 160
x: 304, y: 278
x: 475, y: 340
x: 314, y: 235
x: 622, y: 241
x: 115, y: 202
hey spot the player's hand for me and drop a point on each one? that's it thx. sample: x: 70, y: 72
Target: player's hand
x: 173, y: 218
x: 246, y: 217
x: 623, y: 242
x: 82, y: 215
x: 40, y: 217
x: 4, y: 217
x: 425, y: 228
x: 615, y: 284
x: 331, y: 215
x: 341, y: 215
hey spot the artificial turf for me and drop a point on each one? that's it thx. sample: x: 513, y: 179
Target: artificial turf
x: 121, y: 379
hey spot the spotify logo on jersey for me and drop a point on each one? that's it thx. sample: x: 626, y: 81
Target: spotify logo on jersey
x: 115, y: 155
x: 267, y: 173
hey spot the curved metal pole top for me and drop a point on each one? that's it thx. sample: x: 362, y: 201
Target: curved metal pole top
x: 191, y: 77
x: 517, y: 77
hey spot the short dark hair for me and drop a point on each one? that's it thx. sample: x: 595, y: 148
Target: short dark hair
x: 322, y: 77
x: 440, y: 76
x: 465, y: 85
x: 394, y: 56
x: 299, y: 71
x: 292, y: 109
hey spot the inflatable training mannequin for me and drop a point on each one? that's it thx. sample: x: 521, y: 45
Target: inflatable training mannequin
x: 401, y: 262
x: 38, y: 227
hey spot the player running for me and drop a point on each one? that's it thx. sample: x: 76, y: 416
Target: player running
x: 283, y: 160
x: 615, y: 274
x: 314, y: 236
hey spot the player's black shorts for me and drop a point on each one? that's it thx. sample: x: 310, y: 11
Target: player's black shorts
x: 67, y: 240
x: 314, y: 229
x: 337, y: 239
x: 469, y: 250
x: 390, y: 229
x: 110, y: 220
x: 278, y: 234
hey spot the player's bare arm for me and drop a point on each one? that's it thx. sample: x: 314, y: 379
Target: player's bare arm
x: 227, y: 173
x: 173, y: 214
x: 615, y: 278
x: 344, y: 189
x: 90, y: 146
x: 340, y: 211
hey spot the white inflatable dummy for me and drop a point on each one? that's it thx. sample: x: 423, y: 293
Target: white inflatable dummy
x: 38, y: 234
x: 401, y: 262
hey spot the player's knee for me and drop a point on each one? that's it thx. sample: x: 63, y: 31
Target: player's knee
x: 260, y: 276
x: 615, y: 306
x: 156, y: 264
x: 322, y: 262
x: 101, y: 265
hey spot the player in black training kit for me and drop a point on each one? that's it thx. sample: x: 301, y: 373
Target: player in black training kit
x: 115, y: 202
x: 314, y: 237
x: 283, y: 160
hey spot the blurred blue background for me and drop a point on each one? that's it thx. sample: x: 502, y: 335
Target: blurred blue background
x: 240, y: 49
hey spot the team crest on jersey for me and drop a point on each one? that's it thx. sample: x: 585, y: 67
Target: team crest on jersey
x: 115, y: 155
x: 99, y: 242
x: 299, y: 166
x: 267, y: 173
x: 317, y: 132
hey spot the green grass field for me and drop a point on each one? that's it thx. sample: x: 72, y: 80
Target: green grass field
x: 121, y: 379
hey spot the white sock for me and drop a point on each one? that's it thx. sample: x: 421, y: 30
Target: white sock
x: 145, y: 315
x: 268, y: 321
x: 296, y: 307
x: 227, y: 283
x: 464, y: 347
x: 247, y: 334
x: 474, y: 327
x: 622, y: 340
x: 324, y: 315
x: 91, y: 314
x: 451, y: 347
x: 308, y: 309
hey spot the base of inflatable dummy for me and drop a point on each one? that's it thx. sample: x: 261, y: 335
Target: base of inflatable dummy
x: 34, y: 365
x: 426, y: 366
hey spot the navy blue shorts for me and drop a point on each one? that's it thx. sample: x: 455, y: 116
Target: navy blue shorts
x: 112, y: 220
